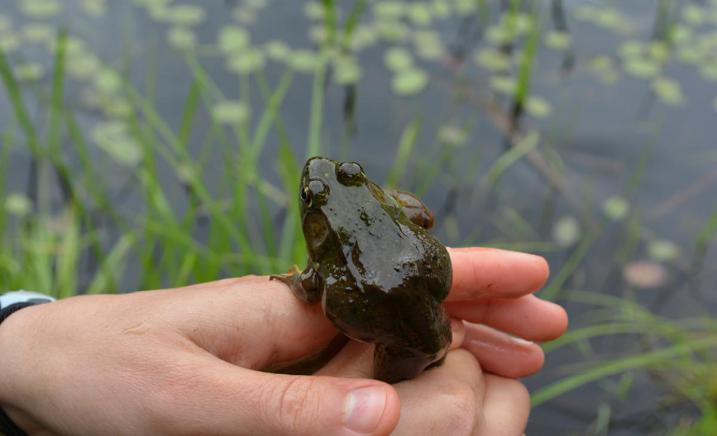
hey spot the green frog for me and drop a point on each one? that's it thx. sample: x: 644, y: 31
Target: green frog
x: 379, y: 274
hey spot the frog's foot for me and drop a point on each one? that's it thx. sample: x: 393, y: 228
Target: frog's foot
x: 304, y: 284
x: 288, y: 278
x: 393, y: 364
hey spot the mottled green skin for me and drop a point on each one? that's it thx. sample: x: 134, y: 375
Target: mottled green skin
x: 380, y: 275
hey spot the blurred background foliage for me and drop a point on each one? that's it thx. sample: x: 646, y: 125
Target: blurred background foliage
x: 156, y: 143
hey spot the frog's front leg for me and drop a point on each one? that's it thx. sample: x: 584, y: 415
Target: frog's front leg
x: 414, y: 208
x: 306, y: 285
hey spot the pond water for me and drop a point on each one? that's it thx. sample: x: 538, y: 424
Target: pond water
x: 612, y: 162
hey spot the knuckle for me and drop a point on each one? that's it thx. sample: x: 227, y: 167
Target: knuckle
x: 460, y: 411
x: 296, y: 403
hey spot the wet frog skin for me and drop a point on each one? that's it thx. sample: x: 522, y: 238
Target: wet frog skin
x: 379, y: 274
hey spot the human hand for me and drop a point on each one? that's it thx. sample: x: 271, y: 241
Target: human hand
x: 493, y: 287
x: 185, y: 361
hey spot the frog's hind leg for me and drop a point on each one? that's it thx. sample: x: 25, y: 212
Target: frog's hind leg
x: 413, y: 207
x: 393, y: 364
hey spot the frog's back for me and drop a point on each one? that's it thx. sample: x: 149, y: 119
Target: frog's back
x: 385, y: 251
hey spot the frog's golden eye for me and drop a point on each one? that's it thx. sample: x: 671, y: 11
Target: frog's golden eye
x: 349, y: 173
x: 314, y: 193
x: 306, y: 196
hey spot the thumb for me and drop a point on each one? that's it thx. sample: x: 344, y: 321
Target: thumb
x: 239, y: 400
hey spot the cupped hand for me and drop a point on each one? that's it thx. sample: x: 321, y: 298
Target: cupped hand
x: 189, y: 360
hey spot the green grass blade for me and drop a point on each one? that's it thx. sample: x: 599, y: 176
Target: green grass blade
x: 618, y: 366
x: 18, y: 106
x: 405, y: 147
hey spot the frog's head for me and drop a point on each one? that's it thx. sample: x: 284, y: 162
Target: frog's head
x: 320, y: 180
x: 323, y: 177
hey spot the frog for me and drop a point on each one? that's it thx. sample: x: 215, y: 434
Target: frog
x: 378, y: 273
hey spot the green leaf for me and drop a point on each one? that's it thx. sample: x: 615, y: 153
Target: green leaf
x: 391, y: 10
x: 108, y: 81
x: 186, y: 15
x: 40, y: 8
x: 181, y: 38
x: 398, y: 59
x: 557, y: 40
x: 668, y: 91
x: 503, y: 84
x: 347, y: 70
x: 566, y: 231
x: 492, y: 60
x: 642, y: 68
x: 246, y: 62
x: 538, y: 107
x: 428, y: 44
x: 420, y: 14
x: 113, y: 137
x: 233, y: 38
x: 29, y: 71
x: 662, y: 250
x: 616, y: 207
x: 409, y: 81
x: 277, y: 50
x: 230, y: 112
x: 18, y: 204
x: 304, y: 61
x: 37, y: 32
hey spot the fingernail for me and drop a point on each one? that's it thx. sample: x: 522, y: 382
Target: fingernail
x: 364, y: 408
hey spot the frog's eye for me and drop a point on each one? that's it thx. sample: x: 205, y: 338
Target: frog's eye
x: 305, y: 196
x: 349, y: 172
x: 314, y: 192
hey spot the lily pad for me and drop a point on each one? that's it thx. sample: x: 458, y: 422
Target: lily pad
x: 410, y: 81
x: 37, y: 32
x: 492, y: 60
x: 304, y: 61
x: 557, y: 40
x: 186, y: 15
x: 503, y: 85
x: 277, y: 50
x: 29, y: 71
x: 616, y: 207
x: 566, y: 231
x: 668, y: 91
x: 230, y: 112
x: 538, y: 107
x: 40, y: 8
x: 233, y: 38
x: 113, y: 137
x: 181, y: 38
x: 95, y: 8
x: 398, y: 59
x: 245, y: 62
x: 663, y: 250
x: 347, y: 71
x: 18, y: 204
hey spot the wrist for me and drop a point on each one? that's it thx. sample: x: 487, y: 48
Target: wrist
x: 16, y: 311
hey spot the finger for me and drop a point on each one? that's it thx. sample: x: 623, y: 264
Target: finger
x: 215, y: 397
x: 506, y: 407
x: 269, y: 322
x: 528, y: 317
x: 489, y: 272
x: 501, y: 354
x: 443, y: 400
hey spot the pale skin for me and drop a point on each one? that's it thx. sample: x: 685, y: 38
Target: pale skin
x: 189, y: 360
